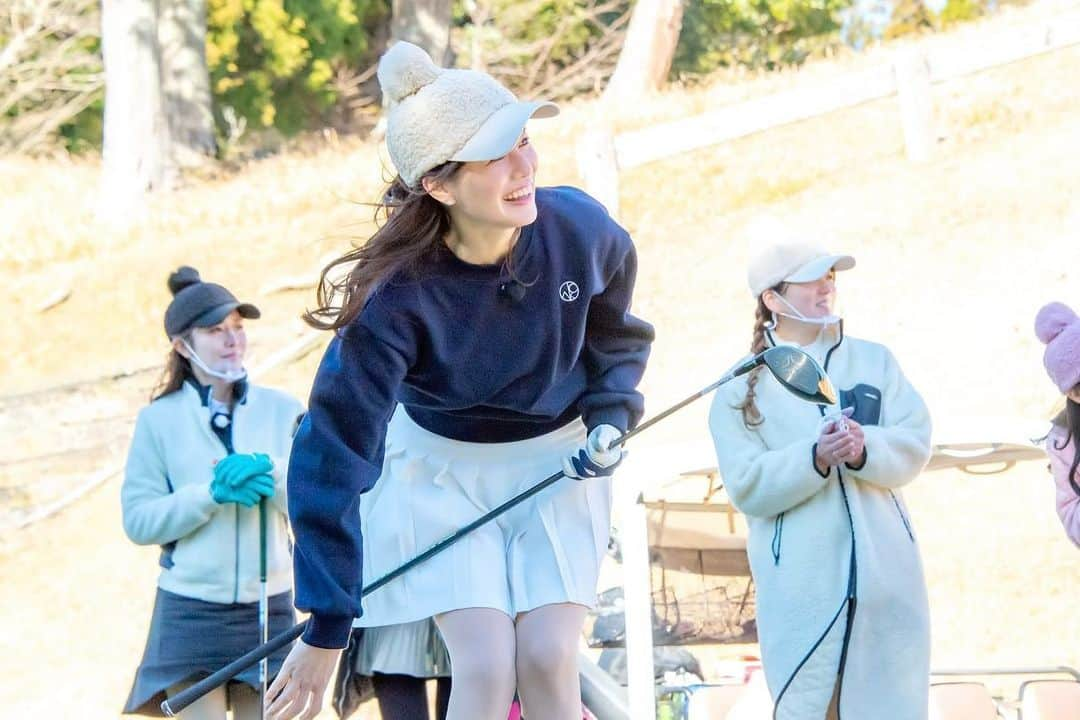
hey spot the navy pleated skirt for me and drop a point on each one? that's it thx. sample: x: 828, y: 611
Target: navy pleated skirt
x: 189, y: 639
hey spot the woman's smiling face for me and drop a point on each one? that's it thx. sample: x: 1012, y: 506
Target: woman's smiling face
x: 814, y: 299
x: 499, y: 193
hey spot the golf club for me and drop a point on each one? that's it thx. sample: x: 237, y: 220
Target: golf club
x: 793, y: 368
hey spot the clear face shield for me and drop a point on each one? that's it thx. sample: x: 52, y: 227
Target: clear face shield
x: 823, y: 321
x: 230, y: 374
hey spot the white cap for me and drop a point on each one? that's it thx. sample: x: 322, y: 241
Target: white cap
x: 438, y: 115
x: 501, y: 131
x: 793, y: 262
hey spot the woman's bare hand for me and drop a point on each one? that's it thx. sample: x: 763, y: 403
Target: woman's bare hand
x: 299, y: 687
x: 859, y: 444
x: 834, y: 447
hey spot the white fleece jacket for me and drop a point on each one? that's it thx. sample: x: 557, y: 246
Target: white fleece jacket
x: 802, y: 527
x: 166, y: 495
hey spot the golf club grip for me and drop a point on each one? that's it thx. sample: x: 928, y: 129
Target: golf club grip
x: 181, y: 700
x: 262, y: 540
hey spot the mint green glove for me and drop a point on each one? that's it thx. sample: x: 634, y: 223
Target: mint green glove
x: 235, y: 469
x: 262, y: 484
x: 223, y: 493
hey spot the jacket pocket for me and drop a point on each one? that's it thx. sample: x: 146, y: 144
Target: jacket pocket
x: 903, y: 517
x: 866, y: 402
x: 165, y: 560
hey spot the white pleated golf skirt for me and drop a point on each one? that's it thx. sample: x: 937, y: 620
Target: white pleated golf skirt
x: 546, y: 550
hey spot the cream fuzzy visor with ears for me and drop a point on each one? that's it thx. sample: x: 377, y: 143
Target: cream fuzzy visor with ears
x: 437, y: 115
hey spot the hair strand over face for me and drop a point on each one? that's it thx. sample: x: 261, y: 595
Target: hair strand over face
x: 412, y: 225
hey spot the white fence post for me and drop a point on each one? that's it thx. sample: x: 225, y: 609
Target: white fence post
x: 599, y: 168
x: 916, y: 104
x: 637, y: 599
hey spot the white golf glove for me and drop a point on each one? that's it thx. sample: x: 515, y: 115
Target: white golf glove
x: 597, y: 458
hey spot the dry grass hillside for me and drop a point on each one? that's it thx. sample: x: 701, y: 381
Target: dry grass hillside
x: 955, y: 257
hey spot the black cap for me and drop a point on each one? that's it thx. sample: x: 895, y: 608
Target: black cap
x: 200, y: 304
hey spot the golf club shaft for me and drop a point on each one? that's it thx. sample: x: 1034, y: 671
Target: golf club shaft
x: 181, y: 700
x: 264, y: 607
x: 740, y: 368
x: 671, y: 410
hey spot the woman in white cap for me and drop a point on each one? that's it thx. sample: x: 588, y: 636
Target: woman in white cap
x: 483, y: 339
x: 206, y: 452
x: 842, y: 608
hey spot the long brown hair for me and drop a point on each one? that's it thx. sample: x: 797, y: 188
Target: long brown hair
x: 752, y: 417
x: 412, y: 225
x: 177, y: 370
x: 1069, y: 420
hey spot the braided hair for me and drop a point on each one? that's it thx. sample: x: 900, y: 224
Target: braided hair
x: 752, y: 416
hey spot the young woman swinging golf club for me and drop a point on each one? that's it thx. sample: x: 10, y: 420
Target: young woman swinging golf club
x: 483, y: 338
x: 841, y: 600
x: 205, y: 480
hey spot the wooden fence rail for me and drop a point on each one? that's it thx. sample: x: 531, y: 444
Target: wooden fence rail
x: 909, y: 75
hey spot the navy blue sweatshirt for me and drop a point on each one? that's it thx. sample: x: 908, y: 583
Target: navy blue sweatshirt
x: 468, y: 361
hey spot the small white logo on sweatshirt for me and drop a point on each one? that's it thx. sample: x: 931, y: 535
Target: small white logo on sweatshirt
x: 569, y: 291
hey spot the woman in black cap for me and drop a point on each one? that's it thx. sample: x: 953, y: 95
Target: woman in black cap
x: 207, y: 452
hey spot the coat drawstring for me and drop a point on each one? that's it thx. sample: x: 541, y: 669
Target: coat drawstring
x: 777, y: 538
x: 903, y: 518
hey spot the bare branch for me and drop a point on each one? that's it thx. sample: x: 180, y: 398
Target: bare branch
x: 48, y: 73
x: 541, y: 66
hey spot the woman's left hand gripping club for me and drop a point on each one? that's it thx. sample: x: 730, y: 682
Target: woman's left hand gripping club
x: 249, y: 472
x: 598, y: 458
x: 233, y: 470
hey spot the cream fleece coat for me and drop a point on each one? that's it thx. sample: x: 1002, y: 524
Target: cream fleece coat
x: 814, y: 542
x: 166, y: 495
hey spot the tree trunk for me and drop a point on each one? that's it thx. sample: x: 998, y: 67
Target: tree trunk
x: 185, y: 81
x: 648, y: 50
x: 136, y: 142
x: 425, y: 23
